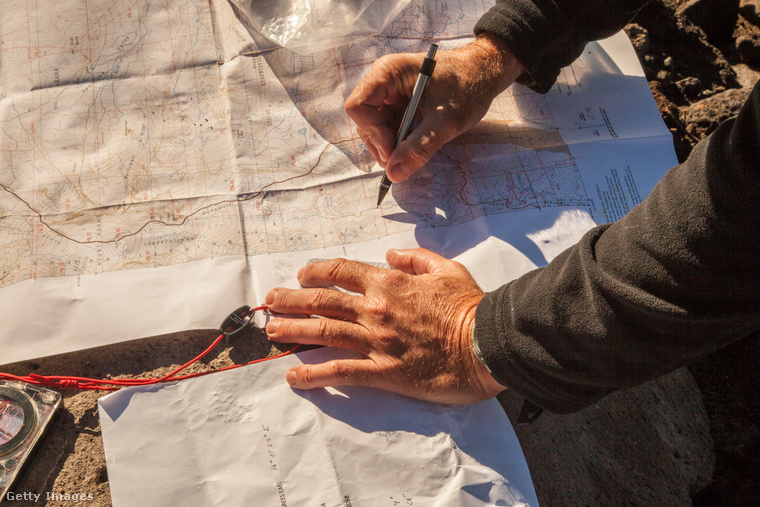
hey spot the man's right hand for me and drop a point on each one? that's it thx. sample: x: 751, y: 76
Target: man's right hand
x: 464, y: 83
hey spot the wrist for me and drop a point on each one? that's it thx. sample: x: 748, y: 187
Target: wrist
x: 491, y: 385
x: 498, y: 65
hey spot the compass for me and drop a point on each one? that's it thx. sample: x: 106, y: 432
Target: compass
x: 18, y: 417
x: 25, y: 412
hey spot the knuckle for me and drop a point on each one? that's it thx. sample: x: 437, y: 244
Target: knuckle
x: 318, y: 298
x: 398, y: 348
x: 336, y: 268
x: 281, y: 298
x: 341, y: 372
x: 391, y: 277
x: 417, y: 251
x: 459, y: 267
x: 396, y: 70
x: 355, y: 103
x: 323, y: 331
x: 345, y: 374
x: 291, y: 328
x: 307, y: 377
x: 377, y: 307
x: 314, y: 298
x: 352, y: 102
x: 384, y: 65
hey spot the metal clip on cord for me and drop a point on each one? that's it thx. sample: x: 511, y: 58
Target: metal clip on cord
x: 237, y: 323
x: 233, y: 326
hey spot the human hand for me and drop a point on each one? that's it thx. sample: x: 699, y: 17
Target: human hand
x: 459, y: 93
x: 412, y: 328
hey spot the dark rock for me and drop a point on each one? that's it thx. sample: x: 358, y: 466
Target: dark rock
x: 682, y: 142
x: 666, y: 107
x: 672, y: 48
x: 750, y: 9
x: 681, y: 65
x: 704, y: 117
x: 639, y: 36
x: 716, y: 17
x: 748, y: 47
x: 691, y: 88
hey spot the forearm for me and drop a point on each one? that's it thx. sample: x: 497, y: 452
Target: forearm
x: 495, y: 63
x: 548, y: 35
x: 674, y: 280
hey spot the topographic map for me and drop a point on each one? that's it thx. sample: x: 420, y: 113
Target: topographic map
x: 139, y: 134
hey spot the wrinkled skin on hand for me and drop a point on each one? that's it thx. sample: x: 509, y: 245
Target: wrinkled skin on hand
x: 412, y: 328
x: 463, y: 84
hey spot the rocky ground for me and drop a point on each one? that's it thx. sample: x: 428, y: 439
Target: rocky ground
x: 701, y: 58
x: 689, y: 438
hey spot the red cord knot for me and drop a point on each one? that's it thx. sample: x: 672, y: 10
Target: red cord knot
x: 68, y: 384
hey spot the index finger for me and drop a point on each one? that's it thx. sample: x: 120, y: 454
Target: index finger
x: 365, y: 104
x: 366, y: 107
x: 347, y: 274
x: 385, y: 85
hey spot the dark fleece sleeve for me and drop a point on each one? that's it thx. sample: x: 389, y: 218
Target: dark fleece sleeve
x: 546, y: 35
x: 675, y: 279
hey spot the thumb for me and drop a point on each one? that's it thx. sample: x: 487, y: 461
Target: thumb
x: 415, y: 151
x: 416, y: 261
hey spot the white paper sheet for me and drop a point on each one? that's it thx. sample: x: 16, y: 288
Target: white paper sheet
x: 244, y: 437
x: 63, y: 314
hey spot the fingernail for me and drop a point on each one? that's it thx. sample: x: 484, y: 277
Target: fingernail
x: 290, y: 377
x: 272, y: 327
x: 269, y: 299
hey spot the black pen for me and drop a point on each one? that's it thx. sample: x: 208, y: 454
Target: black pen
x: 417, y: 95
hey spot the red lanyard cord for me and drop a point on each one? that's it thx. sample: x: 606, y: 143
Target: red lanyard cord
x: 236, y: 323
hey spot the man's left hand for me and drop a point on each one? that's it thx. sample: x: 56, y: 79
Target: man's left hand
x: 412, y: 327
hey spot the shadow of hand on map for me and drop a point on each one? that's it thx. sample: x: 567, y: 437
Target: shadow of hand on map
x: 482, y: 179
x: 360, y: 422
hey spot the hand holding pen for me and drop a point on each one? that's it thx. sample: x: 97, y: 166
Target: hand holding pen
x: 464, y: 83
x: 428, y: 65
